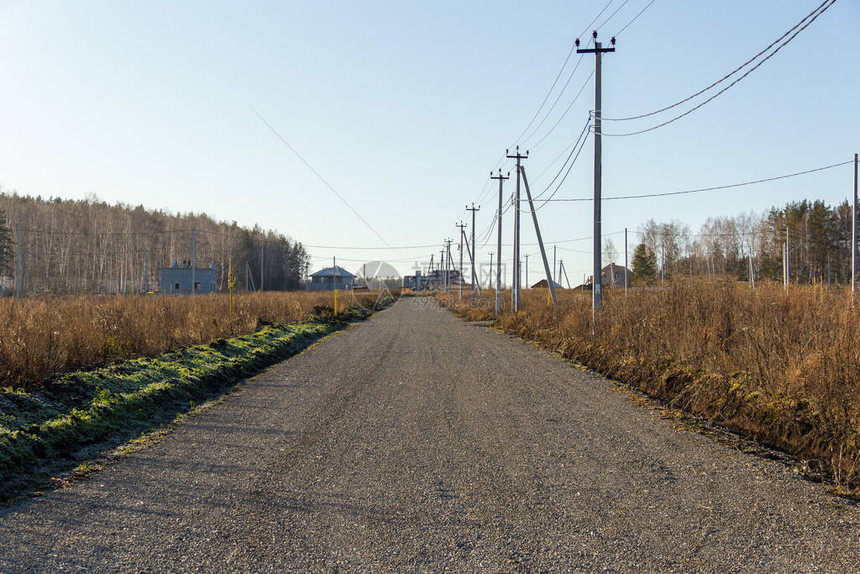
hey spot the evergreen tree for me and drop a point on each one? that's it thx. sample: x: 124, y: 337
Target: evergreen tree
x: 644, y: 262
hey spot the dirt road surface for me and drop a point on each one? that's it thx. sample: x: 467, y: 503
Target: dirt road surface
x: 415, y: 442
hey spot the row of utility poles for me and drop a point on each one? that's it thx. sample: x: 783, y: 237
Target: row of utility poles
x: 597, y: 296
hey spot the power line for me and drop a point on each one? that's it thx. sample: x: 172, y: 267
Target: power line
x: 611, y: 16
x: 636, y: 17
x: 321, y: 178
x: 577, y: 143
x: 485, y: 189
x: 543, y: 103
x: 587, y: 28
x: 747, y: 73
x: 570, y: 167
x: 554, y: 103
x: 724, y: 78
x: 386, y: 248
x: 575, y: 98
x: 714, y: 188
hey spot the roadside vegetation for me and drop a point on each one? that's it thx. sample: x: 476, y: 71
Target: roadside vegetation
x: 782, y: 367
x: 43, y: 336
x: 156, y: 356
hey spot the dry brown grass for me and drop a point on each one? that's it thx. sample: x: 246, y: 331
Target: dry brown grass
x: 42, y: 336
x: 782, y: 367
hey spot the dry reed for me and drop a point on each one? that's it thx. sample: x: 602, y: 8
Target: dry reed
x: 780, y: 366
x: 43, y: 336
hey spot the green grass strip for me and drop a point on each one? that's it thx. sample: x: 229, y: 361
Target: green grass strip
x: 45, y: 432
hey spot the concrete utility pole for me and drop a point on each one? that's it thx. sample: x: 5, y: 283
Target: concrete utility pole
x: 462, y: 227
x: 491, y: 271
x: 854, y: 233
x: 527, y: 270
x: 474, y: 252
x: 448, y: 265
x: 501, y: 179
x: 598, y: 51
x: 540, y: 241
x: 515, y: 292
x: 562, y: 270
x: 555, y: 274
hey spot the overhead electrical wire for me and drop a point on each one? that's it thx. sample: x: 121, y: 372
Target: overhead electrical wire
x: 623, y: 4
x: 712, y: 98
x: 714, y: 188
x: 564, y: 165
x: 555, y: 125
x: 724, y: 78
x: 320, y: 177
x: 386, y: 248
x: 552, y: 107
x: 636, y: 17
x: 599, y: 14
x: 502, y: 159
x: 558, y: 187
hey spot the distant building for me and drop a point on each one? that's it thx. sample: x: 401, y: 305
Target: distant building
x: 183, y: 280
x: 613, y: 275
x: 331, y: 278
x: 434, y: 280
x: 610, y: 276
x: 542, y: 284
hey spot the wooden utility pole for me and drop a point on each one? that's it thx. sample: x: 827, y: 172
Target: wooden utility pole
x: 515, y: 292
x: 501, y: 179
x: 598, y: 51
x: 626, y: 267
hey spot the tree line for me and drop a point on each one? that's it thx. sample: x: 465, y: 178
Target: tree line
x: 818, y: 237
x: 87, y: 246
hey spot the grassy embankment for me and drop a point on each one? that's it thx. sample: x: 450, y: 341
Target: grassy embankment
x: 780, y: 367
x: 50, y: 424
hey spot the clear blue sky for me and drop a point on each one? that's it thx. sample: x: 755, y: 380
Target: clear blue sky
x: 404, y: 107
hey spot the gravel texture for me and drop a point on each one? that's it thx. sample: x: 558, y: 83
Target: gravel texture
x: 417, y: 442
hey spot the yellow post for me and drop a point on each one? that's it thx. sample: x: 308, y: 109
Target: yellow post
x: 548, y: 297
x: 231, y: 282
x: 335, y: 302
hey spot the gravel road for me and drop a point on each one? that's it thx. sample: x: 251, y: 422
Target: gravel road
x: 415, y: 442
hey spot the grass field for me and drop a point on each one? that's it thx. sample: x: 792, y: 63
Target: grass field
x: 780, y: 366
x: 43, y: 336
